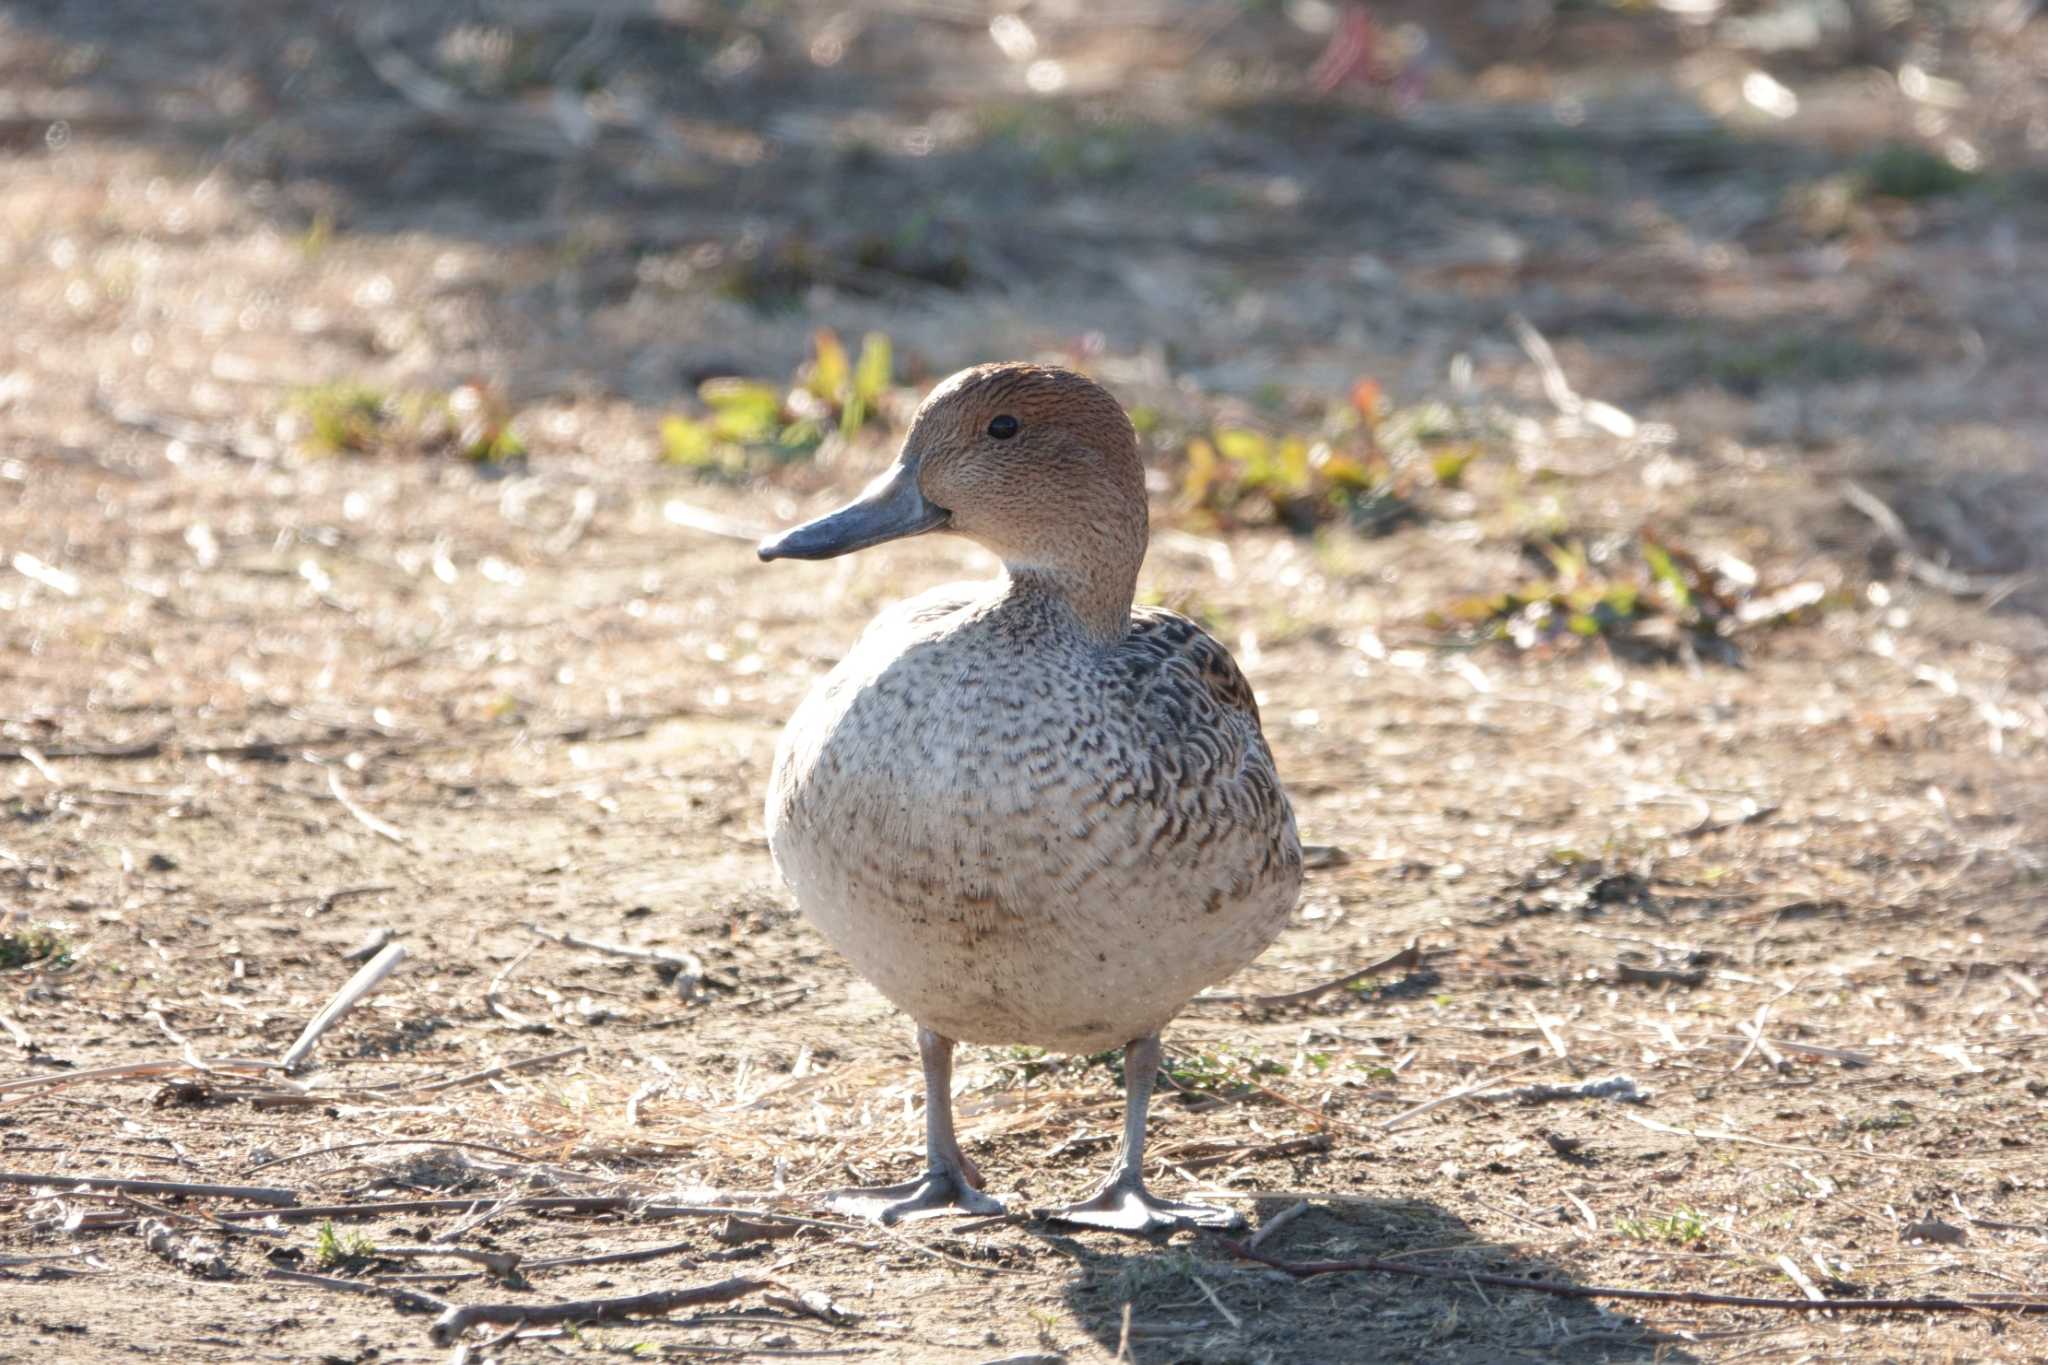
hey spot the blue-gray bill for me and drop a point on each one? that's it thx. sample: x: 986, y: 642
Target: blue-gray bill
x: 890, y: 508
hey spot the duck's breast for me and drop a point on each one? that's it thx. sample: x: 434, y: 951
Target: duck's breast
x: 1025, y: 842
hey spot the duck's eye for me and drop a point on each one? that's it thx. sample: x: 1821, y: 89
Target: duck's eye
x: 1003, y: 427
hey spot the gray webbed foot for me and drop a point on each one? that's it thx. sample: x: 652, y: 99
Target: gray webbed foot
x: 1122, y: 1203
x: 1127, y: 1206
x: 950, y: 1184
x: 935, y: 1193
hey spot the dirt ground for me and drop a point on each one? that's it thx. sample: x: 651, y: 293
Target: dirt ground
x: 264, y: 707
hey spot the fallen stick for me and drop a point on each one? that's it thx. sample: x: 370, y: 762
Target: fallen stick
x: 1550, y: 1036
x: 255, y: 1194
x: 1278, y: 1221
x: 366, y: 979
x: 1951, y: 581
x: 1559, y: 390
x: 457, y: 1320
x: 493, y: 1072
x: 503, y: 1010
x: 1407, y: 959
x: 1564, y: 1290
x: 196, y: 1218
x: 1801, y: 1279
x: 1463, y: 1092
x: 1763, y: 1046
x: 160, y: 1067
x: 546, y: 1203
x: 409, y: 1299
x: 653, y: 1253
x: 10, y: 1262
x: 383, y: 829
x: 1295, y: 1146
x: 15, y: 1031
x: 682, y: 962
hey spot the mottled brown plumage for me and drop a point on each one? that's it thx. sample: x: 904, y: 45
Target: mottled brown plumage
x: 1026, y: 811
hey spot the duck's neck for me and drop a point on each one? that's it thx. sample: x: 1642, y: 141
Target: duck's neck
x: 1100, y: 601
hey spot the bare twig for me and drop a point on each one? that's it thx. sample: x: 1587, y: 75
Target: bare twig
x: 810, y: 1303
x: 457, y: 1320
x: 418, y: 86
x: 653, y: 1253
x: 645, y: 1092
x: 383, y: 829
x: 679, y: 961
x: 1559, y: 390
x: 1279, y: 1221
x: 1294, y: 1146
x: 411, y: 1300
x: 636, y: 1205
x: 1210, y: 1294
x: 1800, y: 1278
x: 581, y: 510
x: 499, y: 1007
x: 1407, y: 959
x: 1709, y: 825
x: 1754, y: 1032
x: 1550, y: 1036
x: 10, y: 1262
x: 158, y: 1067
x: 198, y: 1217
x: 255, y: 1194
x: 17, y: 1033
x: 367, y: 979
x: 1462, y: 1093
x: 1951, y: 581
x: 502, y: 1068
x: 1842, y: 1055
x: 370, y: 946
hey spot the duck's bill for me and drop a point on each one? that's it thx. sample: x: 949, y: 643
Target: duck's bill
x: 890, y: 508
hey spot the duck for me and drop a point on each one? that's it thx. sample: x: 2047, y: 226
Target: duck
x: 1029, y: 810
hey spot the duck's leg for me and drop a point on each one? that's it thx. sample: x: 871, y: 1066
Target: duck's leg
x: 949, y: 1183
x: 1122, y: 1202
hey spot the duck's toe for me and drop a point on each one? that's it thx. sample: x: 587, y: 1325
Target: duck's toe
x: 1133, y: 1208
x: 931, y: 1195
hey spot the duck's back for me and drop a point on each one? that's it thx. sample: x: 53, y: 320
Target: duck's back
x: 1023, y: 835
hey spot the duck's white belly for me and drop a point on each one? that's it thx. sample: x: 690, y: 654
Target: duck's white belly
x: 976, y: 834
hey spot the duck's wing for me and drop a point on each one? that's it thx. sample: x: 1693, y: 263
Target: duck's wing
x: 1175, y: 659
x: 1203, y: 754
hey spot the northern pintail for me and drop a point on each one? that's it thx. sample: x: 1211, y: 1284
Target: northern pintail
x: 1028, y: 811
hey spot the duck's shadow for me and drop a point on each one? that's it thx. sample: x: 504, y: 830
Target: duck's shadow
x: 1183, y: 1298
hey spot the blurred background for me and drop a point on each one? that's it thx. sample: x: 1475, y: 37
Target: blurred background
x: 1813, y: 229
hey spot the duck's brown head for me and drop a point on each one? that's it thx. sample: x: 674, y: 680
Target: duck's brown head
x: 1038, y: 464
